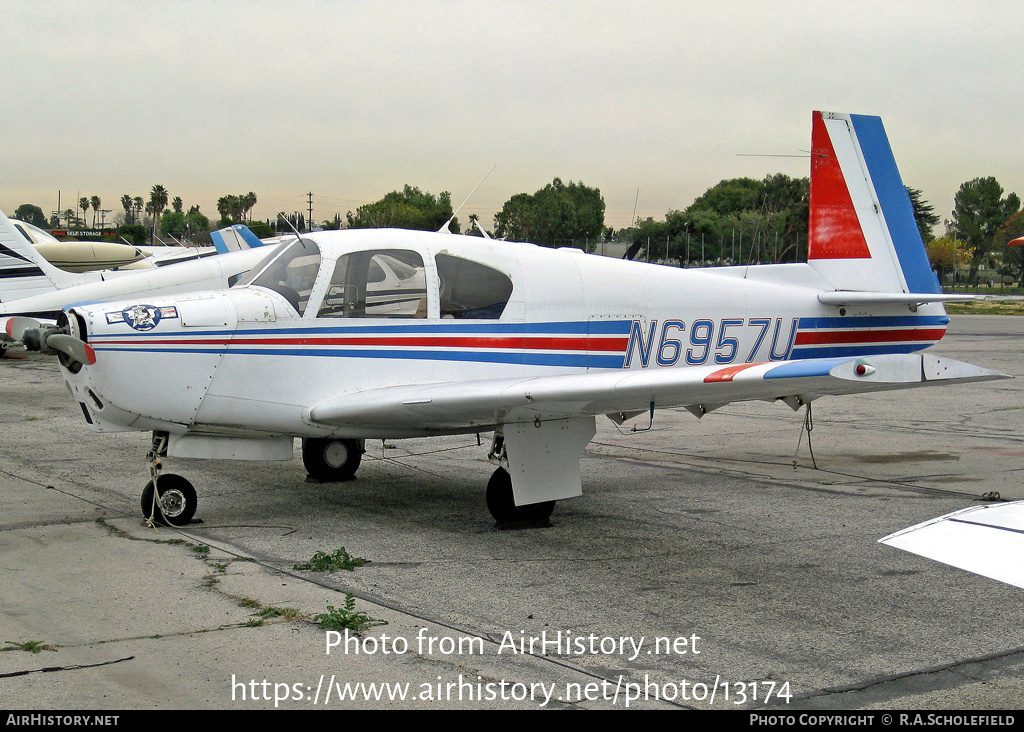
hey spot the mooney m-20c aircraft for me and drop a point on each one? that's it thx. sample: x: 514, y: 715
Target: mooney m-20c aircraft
x: 342, y: 336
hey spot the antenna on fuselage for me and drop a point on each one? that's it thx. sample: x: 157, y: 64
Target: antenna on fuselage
x: 280, y: 215
x: 444, y: 229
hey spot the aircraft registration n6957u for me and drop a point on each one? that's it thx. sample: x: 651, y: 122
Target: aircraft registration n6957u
x: 343, y: 336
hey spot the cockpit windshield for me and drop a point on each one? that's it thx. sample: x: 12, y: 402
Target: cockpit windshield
x: 289, y: 271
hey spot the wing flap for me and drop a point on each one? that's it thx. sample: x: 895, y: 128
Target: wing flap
x: 476, y: 404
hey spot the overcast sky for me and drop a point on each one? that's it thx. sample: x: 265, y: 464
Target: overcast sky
x: 353, y: 99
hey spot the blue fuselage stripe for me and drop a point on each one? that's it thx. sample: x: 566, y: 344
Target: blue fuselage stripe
x: 603, y: 327
x: 858, y: 350
x: 899, y: 321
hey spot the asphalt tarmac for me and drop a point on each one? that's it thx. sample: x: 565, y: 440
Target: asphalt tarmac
x: 708, y: 565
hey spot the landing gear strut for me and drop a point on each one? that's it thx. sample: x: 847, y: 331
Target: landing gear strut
x: 329, y: 460
x: 176, y: 500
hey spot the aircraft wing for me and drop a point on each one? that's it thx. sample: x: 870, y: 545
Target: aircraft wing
x: 466, y: 405
x: 987, y: 540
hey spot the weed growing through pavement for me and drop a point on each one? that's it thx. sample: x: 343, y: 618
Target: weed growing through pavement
x: 339, y: 559
x: 346, y: 617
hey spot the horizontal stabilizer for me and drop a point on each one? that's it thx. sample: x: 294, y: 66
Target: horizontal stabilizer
x: 987, y: 540
x: 850, y: 297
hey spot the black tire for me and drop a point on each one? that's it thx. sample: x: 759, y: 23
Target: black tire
x: 502, y: 505
x: 329, y: 460
x: 177, y: 501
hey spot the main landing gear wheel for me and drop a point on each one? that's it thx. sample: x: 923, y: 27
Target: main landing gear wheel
x: 330, y: 460
x: 502, y: 505
x: 176, y: 501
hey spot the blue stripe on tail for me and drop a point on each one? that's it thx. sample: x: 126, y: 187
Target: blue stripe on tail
x: 896, y: 206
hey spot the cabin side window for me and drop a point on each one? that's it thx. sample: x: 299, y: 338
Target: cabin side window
x: 381, y: 283
x: 470, y: 290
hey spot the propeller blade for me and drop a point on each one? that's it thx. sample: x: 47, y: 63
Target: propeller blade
x: 73, y: 347
x: 18, y: 324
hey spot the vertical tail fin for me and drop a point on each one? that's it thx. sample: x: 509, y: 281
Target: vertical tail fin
x: 863, y: 235
x: 235, y: 238
x: 23, y: 270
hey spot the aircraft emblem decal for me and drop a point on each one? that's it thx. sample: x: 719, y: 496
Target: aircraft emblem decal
x: 142, y: 317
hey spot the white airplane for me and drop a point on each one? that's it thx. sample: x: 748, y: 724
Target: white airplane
x: 32, y: 285
x: 465, y: 335
x: 80, y: 256
x: 88, y: 256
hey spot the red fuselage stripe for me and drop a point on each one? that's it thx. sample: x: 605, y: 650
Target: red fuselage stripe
x: 804, y: 338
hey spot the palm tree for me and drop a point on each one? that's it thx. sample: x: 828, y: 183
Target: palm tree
x: 83, y: 203
x: 126, y: 203
x: 249, y: 201
x: 177, y: 204
x: 158, y: 200
x: 95, y: 203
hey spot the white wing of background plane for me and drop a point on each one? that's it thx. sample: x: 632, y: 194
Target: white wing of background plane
x: 987, y: 540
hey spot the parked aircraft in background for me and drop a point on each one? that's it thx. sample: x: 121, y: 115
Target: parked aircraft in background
x: 31, y: 285
x: 343, y: 336
x: 80, y: 256
x: 987, y: 540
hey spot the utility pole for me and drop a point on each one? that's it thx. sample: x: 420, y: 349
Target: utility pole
x: 309, y: 221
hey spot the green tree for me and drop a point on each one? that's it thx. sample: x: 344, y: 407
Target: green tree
x: 94, y: 202
x: 409, y: 208
x: 83, y: 203
x: 947, y: 254
x: 559, y: 214
x: 924, y: 214
x: 133, y: 233
x: 1013, y: 257
x: 743, y: 220
x: 30, y: 213
x: 181, y: 225
x: 979, y: 210
x: 731, y: 196
x: 261, y: 229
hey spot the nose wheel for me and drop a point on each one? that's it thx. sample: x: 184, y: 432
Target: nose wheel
x: 175, y: 503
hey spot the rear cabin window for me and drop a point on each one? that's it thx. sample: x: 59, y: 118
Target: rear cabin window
x: 470, y: 290
x: 381, y: 283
